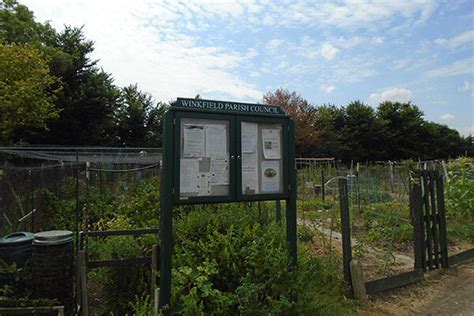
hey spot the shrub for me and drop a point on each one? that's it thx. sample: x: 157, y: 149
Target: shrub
x: 226, y: 262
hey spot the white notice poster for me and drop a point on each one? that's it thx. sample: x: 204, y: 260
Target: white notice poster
x: 193, y: 140
x: 270, y: 176
x: 249, y: 137
x: 204, y: 184
x: 271, y: 141
x: 188, y: 174
x: 249, y: 173
x: 216, y: 140
x: 220, y: 170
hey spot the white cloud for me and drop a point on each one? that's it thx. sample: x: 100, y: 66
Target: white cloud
x: 460, y: 67
x: 456, y: 41
x: 328, y: 51
x: 328, y: 88
x: 352, y: 14
x: 152, y: 44
x: 378, y: 39
x: 467, y: 87
x: 251, y: 53
x: 395, y: 94
x: 447, y: 117
x: 467, y: 130
x: 274, y: 44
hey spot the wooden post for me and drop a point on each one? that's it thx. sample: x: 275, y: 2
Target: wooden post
x: 427, y: 220
x: 155, y: 250
x: 323, y: 194
x: 358, y: 284
x: 291, y: 201
x: 83, y: 282
x: 166, y: 216
x: 345, y: 230
x: 416, y: 213
x: 155, y: 263
x: 434, y: 219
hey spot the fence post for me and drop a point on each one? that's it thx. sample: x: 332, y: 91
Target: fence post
x: 346, y: 230
x: 323, y: 194
x: 416, y: 213
x: 278, y: 211
x: 155, y: 263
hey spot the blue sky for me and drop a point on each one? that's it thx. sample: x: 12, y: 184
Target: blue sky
x: 328, y: 51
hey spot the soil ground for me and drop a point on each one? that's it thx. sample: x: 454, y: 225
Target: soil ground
x: 444, y: 292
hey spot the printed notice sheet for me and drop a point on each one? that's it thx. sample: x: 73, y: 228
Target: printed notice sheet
x: 204, y: 184
x: 216, y: 140
x: 249, y: 173
x: 220, y: 170
x: 188, y: 175
x: 270, y: 176
x: 193, y: 140
x: 271, y: 141
x: 249, y: 137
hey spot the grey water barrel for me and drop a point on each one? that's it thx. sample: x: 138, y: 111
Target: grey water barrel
x: 16, y: 248
x: 53, y: 267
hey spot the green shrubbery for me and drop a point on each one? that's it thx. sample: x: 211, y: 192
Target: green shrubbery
x: 459, y: 195
x: 226, y: 262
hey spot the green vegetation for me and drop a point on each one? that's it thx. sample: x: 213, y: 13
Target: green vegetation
x: 460, y: 200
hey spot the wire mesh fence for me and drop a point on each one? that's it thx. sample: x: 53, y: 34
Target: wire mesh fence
x: 38, y: 193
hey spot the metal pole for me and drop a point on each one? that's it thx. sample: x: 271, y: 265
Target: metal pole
x: 278, y: 211
x: 291, y: 201
x: 166, y: 219
x: 345, y: 229
x: 77, y: 198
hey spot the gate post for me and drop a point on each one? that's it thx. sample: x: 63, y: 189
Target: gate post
x: 416, y: 213
x: 345, y: 230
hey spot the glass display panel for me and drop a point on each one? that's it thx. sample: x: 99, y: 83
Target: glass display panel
x: 204, y: 158
x: 262, y: 158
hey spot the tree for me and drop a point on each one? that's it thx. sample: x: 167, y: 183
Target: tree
x: 27, y: 90
x: 402, y: 130
x: 138, y: 118
x: 302, y: 113
x: 361, y: 132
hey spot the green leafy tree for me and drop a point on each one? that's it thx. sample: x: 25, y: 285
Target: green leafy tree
x: 361, y: 132
x: 402, y: 130
x: 27, y: 90
x: 139, y: 118
x: 329, y: 123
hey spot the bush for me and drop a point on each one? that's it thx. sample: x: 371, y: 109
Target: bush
x: 226, y: 263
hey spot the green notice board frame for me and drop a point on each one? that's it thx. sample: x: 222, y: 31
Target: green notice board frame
x: 204, y: 152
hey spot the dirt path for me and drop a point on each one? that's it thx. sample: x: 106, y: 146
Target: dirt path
x: 444, y: 292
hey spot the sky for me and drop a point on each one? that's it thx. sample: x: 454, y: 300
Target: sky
x: 327, y: 51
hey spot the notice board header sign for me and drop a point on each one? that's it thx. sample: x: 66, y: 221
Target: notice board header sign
x: 228, y: 107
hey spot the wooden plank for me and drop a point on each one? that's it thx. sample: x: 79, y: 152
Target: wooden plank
x: 155, y: 263
x: 461, y: 257
x: 434, y: 220
x: 134, y: 232
x: 83, y: 282
x: 118, y: 262
x: 345, y: 230
x: 32, y: 310
x: 443, y: 235
x: 427, y: 220
x: 416, y: 212
x: 393, y: 282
